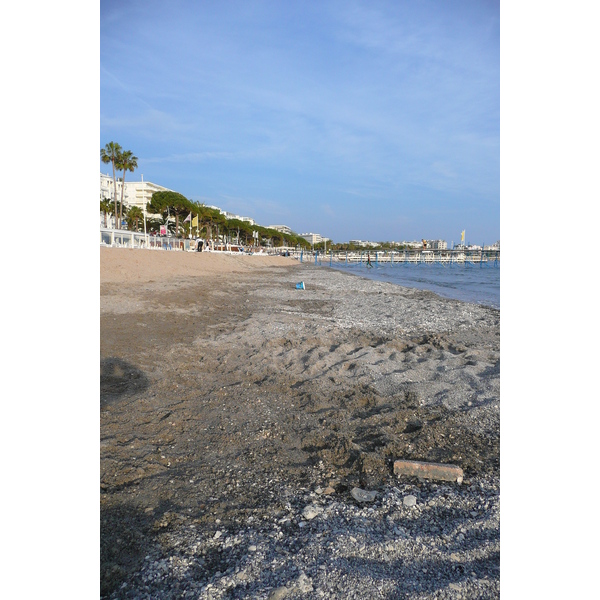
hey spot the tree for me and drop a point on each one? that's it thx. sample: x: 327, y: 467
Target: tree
x: 110, y: 154
x: 200, y: 211
x: 134, y: 214
x: 211, y: 217
x: 126, y: 161
x: 107, y: 208
x: 165, y: 203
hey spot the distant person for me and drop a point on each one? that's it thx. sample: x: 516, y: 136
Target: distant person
x: 199, y: 245
x: 369, y: 260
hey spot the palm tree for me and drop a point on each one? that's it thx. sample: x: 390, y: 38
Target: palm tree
x: 134, y: 214
x: 110, y: 154
x: 107, y: 208
x: 126, y: 162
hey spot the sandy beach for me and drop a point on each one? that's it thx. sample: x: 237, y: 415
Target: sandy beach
x: 238, y: 413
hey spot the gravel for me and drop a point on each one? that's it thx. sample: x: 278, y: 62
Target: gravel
x: 255, y: 459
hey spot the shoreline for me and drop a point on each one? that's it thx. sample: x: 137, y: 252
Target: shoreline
x: 231, y: 402
x: 199, y: 264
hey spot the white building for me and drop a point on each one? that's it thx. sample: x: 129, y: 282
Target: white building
x: 281, y: 228
x: 437, y: 244
x: 107, y: 189
x: 363, y: 244
x: 140, y: 192
x: 230, y: 215
x: 136, y: 193
x: 312, y: 238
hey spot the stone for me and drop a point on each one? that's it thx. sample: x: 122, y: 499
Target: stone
x: 363, y: 495
x: 426, y: 470
x: 409, y: 500
x: 303, y: 584
x: 311, y: 511
x: 278, y: 593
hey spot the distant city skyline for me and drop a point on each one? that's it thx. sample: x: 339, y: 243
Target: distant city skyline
x: 358, y: 120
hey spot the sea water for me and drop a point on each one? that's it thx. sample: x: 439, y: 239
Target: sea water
x: 479, y: 284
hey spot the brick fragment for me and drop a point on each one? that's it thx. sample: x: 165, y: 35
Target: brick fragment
x: 426, y: 470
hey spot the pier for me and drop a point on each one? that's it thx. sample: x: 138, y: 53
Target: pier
x: 487, y: 258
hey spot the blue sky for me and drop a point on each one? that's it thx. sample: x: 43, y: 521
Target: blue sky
x: 355, y: 120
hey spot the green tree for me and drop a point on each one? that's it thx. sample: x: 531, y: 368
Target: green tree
x: 110, y: 154
x: 199, y: 212
x: 167, y: 203
x: 106, y: 207
x: 242, y: 230
x: 126, y: 161
x: 212, y: 218
x: 134, y: 214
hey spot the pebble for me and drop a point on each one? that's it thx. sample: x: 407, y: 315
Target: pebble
x: 409, y: 500
x: 311, y: 511
x: 280, y: 592
x: 363, y: 495
x: 376, y: 550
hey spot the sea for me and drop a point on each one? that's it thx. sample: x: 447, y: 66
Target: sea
x: 478, y: 284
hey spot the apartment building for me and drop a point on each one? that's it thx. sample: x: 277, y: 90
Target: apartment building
x: 282, y: 229
x: 312, y: 238
x: 136, y: 193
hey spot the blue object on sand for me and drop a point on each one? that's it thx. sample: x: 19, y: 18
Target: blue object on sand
x: 300, y: 286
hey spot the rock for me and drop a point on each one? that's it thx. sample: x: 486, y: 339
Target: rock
x: 428, y: 470
x: 278, y: 593
x: 363, y: 495
x: 303, y: 584
x: 311, y: 511
x: 328, y: 491
x: 409, y: 500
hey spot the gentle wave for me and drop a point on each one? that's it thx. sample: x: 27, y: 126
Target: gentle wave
x: 467, y: 282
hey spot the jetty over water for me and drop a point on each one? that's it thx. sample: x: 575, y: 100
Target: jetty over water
x: 413, y: 256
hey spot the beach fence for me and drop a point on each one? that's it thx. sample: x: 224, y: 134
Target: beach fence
x: 119, y: 238
x: 122, y: 238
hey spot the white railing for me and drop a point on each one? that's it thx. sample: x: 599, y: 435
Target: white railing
x: 119, y: 238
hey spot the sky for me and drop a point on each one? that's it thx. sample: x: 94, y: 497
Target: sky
x: 371, y: 120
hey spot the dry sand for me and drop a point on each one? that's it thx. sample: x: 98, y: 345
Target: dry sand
x: 231, y: 399
x: 128, y: 266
